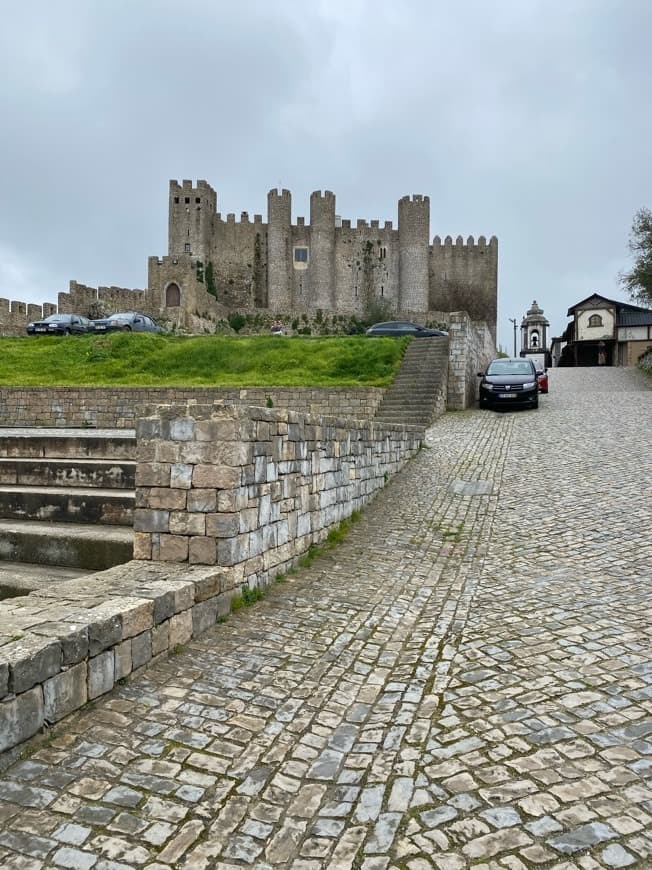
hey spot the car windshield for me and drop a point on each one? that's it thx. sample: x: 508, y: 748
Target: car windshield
x: 120, y: 317
x: 509, y: 367
x: 55, y: 318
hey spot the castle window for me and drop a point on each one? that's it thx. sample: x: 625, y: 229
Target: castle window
x: 197, y: 199
x: 595, y: 320
x: 187, y: 200
x: 186, y: 247
x: 382, y: 290
x: 382, y: 253
x: 301, y: 255
x: 176, y: 199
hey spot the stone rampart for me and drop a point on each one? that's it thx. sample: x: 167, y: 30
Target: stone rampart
x: 120, y: 407
x: 471, y: 347
x: 14, y: 316
x: 251, y: 489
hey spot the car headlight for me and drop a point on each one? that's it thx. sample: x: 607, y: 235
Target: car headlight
x: 29, y: 324
x: 530, y: 385
x: 487, y: 386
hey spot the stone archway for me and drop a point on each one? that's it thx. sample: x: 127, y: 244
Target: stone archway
x: 172, y: 295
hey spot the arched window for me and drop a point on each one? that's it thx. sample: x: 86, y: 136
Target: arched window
x: 595, y: 320
x: 172, y: 296
x: 534, y: 338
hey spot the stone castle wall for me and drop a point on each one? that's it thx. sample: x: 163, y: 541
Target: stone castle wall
x: 326, y: 263
x: 216, y: 266
x: 14, y: 316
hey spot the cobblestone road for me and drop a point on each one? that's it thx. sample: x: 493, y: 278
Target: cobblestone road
x: 466, y: 681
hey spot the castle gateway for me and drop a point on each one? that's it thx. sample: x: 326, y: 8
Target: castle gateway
x: 217, y: 264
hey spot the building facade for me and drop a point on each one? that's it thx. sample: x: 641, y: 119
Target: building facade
x: 604, y: 332
x: 325, y: 263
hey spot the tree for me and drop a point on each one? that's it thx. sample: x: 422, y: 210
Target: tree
x: 638, y: 280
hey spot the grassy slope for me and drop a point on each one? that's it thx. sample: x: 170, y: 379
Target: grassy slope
x: 166, y: 360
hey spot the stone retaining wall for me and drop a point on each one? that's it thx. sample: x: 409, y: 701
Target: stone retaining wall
x: 67, y: 645
x: 471, y: 347
x: 119, y: 407
x: 250, y: 489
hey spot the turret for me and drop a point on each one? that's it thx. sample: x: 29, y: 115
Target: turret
x: 534, y: 330
x: 190, y: 222
x: 322, y: 249
x: 279, y: 264
x: 413, y: 235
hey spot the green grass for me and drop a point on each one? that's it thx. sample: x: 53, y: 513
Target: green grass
x: 167, y: 360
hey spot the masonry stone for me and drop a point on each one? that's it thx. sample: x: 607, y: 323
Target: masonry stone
x: 65, y: 692
x: 101, y: 674
x: 21, y: 717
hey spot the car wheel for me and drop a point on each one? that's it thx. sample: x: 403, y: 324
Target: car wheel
x: 66, y: 332
x: 126, y: 329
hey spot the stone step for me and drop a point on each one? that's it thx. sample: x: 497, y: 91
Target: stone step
x: 21, y: 578
x: 65, y: 544
x: 101, y: 473
x: 113, y: 444
x: 67, y: 504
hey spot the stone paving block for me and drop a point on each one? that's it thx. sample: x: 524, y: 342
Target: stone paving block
x: 430, y: 692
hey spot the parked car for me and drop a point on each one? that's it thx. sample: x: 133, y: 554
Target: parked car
x: 403, y: 327
x: 60, y: 324
x: 542, y: 377
x: 509, y: 383
x: 129, y: 321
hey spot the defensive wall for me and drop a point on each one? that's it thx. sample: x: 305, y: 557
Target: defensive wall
x: 324, y: 263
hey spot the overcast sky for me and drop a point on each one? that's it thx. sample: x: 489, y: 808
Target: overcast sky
x: 524, y: 119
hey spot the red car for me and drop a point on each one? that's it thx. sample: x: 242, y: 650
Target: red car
x: 542, y: 377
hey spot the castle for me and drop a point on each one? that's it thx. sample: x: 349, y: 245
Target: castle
x: 216, y: 266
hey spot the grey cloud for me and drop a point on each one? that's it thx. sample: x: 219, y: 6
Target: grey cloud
x: 526, y: 120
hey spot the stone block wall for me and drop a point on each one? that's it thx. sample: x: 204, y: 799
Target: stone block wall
x: 250, y: 489
x: 119, y: 407
x: 471, y: 347
x: 63, y: 647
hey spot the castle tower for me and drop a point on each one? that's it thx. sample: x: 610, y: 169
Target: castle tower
x: 534, y: 331
x: 190, y: 219
x: 322, y: 249
x: 413, y: 235
x: 279, y: 264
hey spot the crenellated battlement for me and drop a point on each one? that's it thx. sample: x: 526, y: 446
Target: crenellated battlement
x: 326, y: 195
x: 415, y: 198
x: 279, y: 194
x: 470, y: 244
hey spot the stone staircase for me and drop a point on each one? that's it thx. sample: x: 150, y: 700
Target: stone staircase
x: 67, y: 496
x: 418, y: 394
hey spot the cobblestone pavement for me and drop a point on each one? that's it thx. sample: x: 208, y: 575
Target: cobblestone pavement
x: 465, y: 681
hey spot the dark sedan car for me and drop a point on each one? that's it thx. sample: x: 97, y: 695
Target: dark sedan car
x: 128, y: 321
x: 509, y: 383
x: 60, y: 324
x: 398, y: 328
